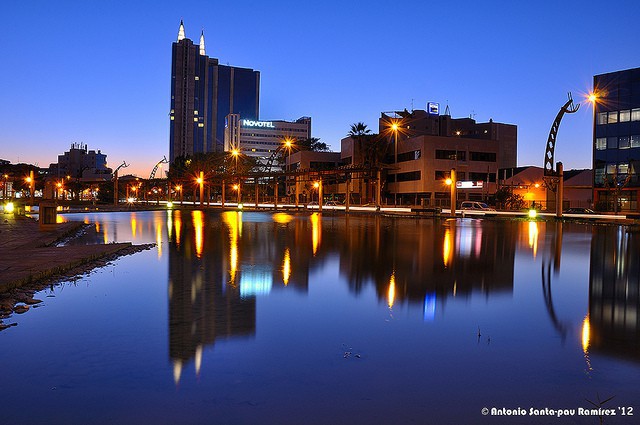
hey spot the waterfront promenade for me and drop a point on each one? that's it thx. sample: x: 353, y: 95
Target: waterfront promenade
x: 28, y: 254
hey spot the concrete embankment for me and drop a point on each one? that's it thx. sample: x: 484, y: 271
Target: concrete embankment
x: 28, y: 254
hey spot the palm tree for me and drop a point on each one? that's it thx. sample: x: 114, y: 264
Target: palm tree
x: 358, y: 129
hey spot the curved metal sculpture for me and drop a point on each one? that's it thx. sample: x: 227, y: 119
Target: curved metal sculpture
x: 549, y: 160
x: 153, y: 172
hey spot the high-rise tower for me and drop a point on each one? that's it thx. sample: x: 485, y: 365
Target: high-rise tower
x: 203, y: 93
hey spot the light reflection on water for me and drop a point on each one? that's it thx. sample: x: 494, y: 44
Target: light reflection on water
x: 332, y: 319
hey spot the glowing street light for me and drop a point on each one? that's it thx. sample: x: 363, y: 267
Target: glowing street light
x: 451, y: 182
x: 395, y: 127
x: 200, y: 181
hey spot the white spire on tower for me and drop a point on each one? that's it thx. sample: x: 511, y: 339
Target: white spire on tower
x: 202, y: 52
x: 181, y: 31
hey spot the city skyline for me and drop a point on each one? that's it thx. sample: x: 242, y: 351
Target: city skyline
x: 99, y: 74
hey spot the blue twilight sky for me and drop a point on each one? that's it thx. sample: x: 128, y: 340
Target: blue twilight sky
x: 98, y: 72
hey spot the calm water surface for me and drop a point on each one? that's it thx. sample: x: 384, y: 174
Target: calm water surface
x: 247, y: 318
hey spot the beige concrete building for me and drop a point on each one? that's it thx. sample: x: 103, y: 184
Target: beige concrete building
x: 417, y: 151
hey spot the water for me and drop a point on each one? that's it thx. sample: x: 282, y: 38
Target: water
x: 244, y: 318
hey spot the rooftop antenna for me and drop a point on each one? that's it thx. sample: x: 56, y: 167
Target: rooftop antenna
x: 446, y: 109
x: 412, y: 105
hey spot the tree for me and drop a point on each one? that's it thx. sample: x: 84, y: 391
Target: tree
x: 358, y: 129
x: 505, y: 198
x: 312, y: 144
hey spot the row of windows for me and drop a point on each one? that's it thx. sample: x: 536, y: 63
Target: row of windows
x: 271, y: 135
x: 451, y: 154
x: 409, y: 156
x: 244, y: 142
x: 461, y: 175
x: 462, y: 155
x: 404, y: 177
x: 610, y: 169
x: 622, y: 142
x: 613, y: 117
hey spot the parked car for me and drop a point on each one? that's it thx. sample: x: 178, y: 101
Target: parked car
x: 579, y: 211
x: 475, y: 206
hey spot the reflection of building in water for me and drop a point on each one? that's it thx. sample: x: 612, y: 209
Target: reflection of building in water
x: 614, y: 292
x: 218, y: 264
x: 429, y: 258
x: 202, y: 307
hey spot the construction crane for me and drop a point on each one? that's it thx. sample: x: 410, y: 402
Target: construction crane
x: 153, y: 172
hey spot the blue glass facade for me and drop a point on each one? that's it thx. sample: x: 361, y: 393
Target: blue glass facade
x: 202, y: 94
x: 616, y: 139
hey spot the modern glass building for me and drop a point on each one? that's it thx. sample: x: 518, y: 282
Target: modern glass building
x: 203, y: 93
x: 616, y: 140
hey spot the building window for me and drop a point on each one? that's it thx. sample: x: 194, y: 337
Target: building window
x: 623, y: 142
x: 601, y: 143
x: 613, y: 117
x: 491, y: 177
x: 452, y: 155
x: 611, y: 169
x: 612, y: 142
x: 623, y: 168
x: 625, y: 115
x: 635, y: 141
x: 482, y: 156
x: 599, y: 175
x: 409, y: 156
x: 441, y: 175
x: 635, y: 114
x: 602, y: 118
x: 408, y: 177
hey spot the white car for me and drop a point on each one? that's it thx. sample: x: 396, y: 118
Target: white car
x: 475, y: 206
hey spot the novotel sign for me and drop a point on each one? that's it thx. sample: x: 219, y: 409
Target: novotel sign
x: 263, y: 124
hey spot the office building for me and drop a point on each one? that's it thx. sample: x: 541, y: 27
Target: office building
x: 203, y: 93
x: 616, y: 140
x: 261, y: 139
x: 428, y: 145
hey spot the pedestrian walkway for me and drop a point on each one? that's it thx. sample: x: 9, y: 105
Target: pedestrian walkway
x: 28, y: 254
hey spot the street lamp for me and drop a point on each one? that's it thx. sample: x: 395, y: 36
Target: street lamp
x: 451, y: 182
x: 179, y: 189
x: 200, y: 181
x: 395, y: 128
x: 287, y: 144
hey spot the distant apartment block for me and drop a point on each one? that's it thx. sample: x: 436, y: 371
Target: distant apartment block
x: 80, y: 163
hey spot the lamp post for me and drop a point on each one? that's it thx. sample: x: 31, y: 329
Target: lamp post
x: 5, y: 188
x: 451, y: 182
x: 179, y: 189
x: 200, y: 181
x: 593, y: 98
x: 394, y: 128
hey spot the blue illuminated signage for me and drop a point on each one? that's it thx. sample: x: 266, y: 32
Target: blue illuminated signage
x: 433, y: 108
